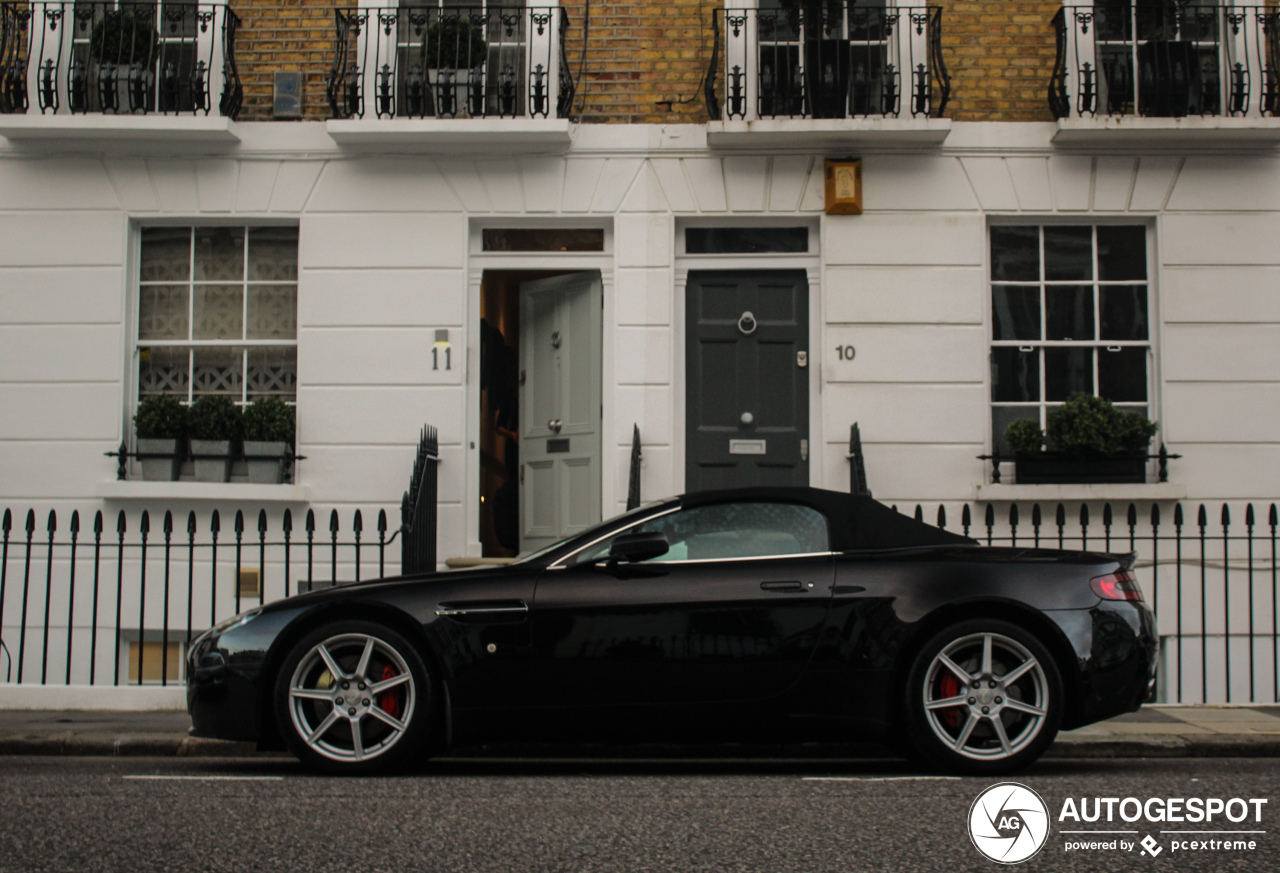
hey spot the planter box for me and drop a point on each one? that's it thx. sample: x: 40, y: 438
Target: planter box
x: 212, y: 460
x: 161, y: 469
x: 265, y: 461
x: 1053, y: 469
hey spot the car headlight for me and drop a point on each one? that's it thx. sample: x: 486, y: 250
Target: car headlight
x: 234, y: 622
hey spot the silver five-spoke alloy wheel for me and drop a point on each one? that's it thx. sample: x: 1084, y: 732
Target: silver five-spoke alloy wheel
x: 986, y: 697
x: 352, y: 697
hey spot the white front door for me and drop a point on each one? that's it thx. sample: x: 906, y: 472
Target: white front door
x: 560, y: 365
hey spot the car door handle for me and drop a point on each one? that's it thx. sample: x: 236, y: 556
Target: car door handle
x: 792, y: 585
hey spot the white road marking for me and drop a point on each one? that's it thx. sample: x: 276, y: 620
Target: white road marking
x: 213, y: 778
x: 873, y: 778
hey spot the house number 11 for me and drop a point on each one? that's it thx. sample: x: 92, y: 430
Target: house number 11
x: 846, y: 353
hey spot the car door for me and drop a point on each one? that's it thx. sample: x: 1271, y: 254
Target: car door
x: 732, y: 612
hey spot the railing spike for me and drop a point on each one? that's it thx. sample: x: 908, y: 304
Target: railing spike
x: 31, y: 521
x: 52, y: 524
x: 1084, y: 515
x: 1013, y: 515
x: 120, y: 522
x: 1155, y: 515
x: 1036, y: 519
x: 382, y: 521
x: 1060, y: 515
x: 1107, y: 517
x: 286, y: 523
x: 1226, y: 515
x: 990, y: 516
x: 262, y: 521
x: 191, y: 522
x: 311, y: 521
x: 1272, y: 516
x: 75, y: 521
x: 1202, y: 517
x: 215, y: 523
x: 919, y: 514
x: 239, y: 525
x: 1132, y: 515
x: 942, y: 515
x: 97, y: 522
x: 333, y: 521
x: 966, y: 517
x: 6, y: 524
x: 1177, y: 514
x: 168, y: 522
x: 1248, y: 514
x: 145, y: 524
x: 357, y: 523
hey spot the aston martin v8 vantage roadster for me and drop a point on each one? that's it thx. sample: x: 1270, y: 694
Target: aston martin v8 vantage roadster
x: 754, y: 615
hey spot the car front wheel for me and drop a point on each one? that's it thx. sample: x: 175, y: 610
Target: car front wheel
x: 353, y: 697
x: 984, y: 696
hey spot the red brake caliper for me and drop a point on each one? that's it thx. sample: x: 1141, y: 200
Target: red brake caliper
x: 392, y: 701
x: 948, y: 686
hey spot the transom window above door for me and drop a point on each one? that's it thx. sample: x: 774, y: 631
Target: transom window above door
x: 1070, y: 313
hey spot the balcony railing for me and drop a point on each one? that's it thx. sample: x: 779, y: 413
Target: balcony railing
x: 1166, y: 60
x: 118, y: 58
x: 451, y: 62
x: 830, y: 59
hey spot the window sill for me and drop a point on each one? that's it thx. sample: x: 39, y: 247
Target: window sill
x: 231, y: 492
x: 102, y: 128
x: 1101, y: 491
x: 433, y: 134
x: 830, y: 132
x: 1113, y: 130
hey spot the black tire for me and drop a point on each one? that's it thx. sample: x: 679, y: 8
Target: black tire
x: 322, y: 716
x: 996, y: 726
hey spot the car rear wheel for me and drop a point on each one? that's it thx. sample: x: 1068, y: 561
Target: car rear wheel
x: 984, y: 696
x: 353, y: 697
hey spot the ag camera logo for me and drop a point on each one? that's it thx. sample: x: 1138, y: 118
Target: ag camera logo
x: 1009, y: 823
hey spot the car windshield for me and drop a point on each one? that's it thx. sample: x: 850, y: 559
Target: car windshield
x: 590, y: 533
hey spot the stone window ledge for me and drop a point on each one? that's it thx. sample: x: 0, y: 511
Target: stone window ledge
x: 828, y: 132
x: 1128, y: 130
x: 100, y: 128
x: 229, y: 492
x: 1115, y: 493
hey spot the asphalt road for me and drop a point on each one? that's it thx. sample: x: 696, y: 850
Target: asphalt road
x: 95, y: 814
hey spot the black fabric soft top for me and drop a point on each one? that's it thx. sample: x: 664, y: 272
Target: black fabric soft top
x: 857, y: 522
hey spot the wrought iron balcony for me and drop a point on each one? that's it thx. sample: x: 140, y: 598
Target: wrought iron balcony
x: 451, y: 62
x: 829, y: 59
x: 118, y: 58
x: 1166, y: 60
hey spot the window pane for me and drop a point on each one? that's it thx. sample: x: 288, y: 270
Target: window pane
x: 1015, y: 375
x: 1122, y: 253
x: 219, y: 253
x: 273, y: 371
x: 218, y: 371
x: 162, y: 312
x: 1122, y: 375
x: 1068, y: 312
x: 163, y: 371
x: 1015, y: 312
x: 218, y: 312
x: 1015, y: 254
x: 1123, y: 312
x: 273, y: 254
x: 1066, y: 372
x: 166, y: 254
x: 272, y: 311
x: 741, y: 530
x: 1002, y: 417
x: 745, y: 240
x: 1068, y: 252
x: 542, y: 239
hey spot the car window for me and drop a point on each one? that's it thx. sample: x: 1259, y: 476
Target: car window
x: 730, y: 530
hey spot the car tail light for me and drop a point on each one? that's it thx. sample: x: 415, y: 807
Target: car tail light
x: 1120, y: 585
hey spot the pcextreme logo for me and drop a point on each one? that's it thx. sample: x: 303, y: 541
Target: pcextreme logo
x: 1009, y: 823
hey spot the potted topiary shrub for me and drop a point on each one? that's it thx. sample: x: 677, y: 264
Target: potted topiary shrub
x: 268, y: 434
x: 454, y: 50
x: 215, y: 427
x: 1091, y: 442
x: 125, y: 44
x: 160, y: 426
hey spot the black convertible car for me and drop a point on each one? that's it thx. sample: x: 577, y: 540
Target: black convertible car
x: 757, y: 615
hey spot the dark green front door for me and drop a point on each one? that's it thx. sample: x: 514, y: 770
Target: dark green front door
x: 747, y: 392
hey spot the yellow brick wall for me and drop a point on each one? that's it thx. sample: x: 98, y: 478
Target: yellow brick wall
x: 645, y: 63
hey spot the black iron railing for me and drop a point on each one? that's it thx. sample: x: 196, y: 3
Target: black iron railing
x: 830, y: 59
x: 1166, y: 59
x: 118, y: 602
x: 450, y: 62
x: 857, y: 464
x: 126, y: 58
x: 418, y: 516
x: 633, y: 472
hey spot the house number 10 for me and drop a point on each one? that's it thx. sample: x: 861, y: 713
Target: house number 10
x: 846, y: 353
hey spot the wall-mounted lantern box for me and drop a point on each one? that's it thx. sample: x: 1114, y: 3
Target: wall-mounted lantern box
x: 843, y: 184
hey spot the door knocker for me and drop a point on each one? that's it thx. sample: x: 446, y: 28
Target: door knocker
x: 747, y: 323
x: 555, y: 339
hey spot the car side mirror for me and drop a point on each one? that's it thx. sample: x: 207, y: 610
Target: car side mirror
x: 636, y: 547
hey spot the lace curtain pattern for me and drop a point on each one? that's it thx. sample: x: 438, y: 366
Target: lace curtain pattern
x: 217, y: 312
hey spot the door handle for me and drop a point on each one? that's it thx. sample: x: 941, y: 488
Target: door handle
x: 791, y: 585
x: 554, y: 425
